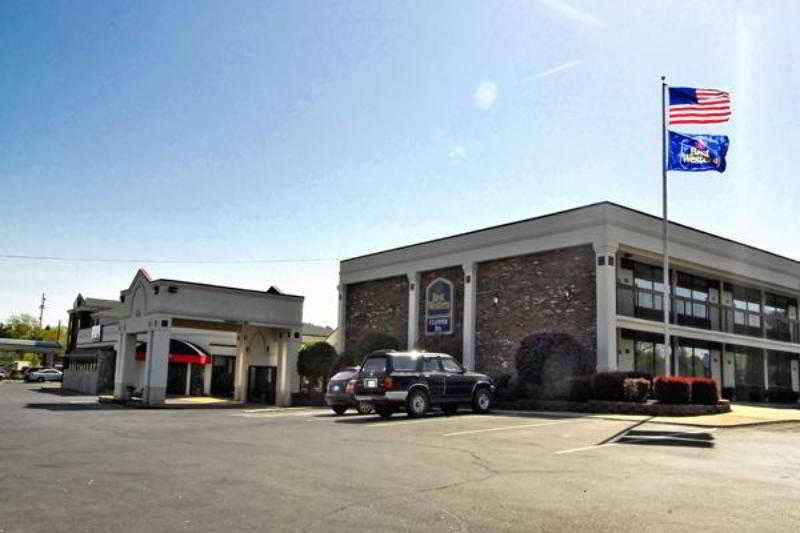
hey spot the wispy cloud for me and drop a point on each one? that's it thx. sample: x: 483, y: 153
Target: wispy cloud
x: 485, y: 95
x: 457, y: 152
x: 559, y: 68
x: 573, y: 13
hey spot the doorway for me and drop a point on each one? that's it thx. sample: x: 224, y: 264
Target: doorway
x: 261, y: 384
x: 176, y: 379
x: 222, y: 372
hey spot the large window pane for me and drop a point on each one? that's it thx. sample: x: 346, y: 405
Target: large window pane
x: 661, y: 360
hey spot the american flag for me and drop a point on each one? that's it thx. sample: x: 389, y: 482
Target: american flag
x: 698, y: 106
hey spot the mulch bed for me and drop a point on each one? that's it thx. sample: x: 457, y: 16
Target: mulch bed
x: 651, y: 408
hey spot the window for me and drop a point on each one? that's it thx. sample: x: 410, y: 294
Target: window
x: 431, y: 364
x: 776, y: 316
x: 779, y: 368
x: 374, y: 365
x: 404, y: 363
x: 691, y: 300
x: 694, y: 360
x: 749, y: 367
x: 649, y: 291
x: 746, y: 310
x: 451, y: 366
x: 648, y: 354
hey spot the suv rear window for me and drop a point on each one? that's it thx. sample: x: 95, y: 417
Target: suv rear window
x: 374, y: 365
x: 404, y: 363
x: 345, y: 374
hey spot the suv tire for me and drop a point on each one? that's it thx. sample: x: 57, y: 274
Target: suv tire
x: 339, y: 409
x: 481, y: 401
x: 417, y: 403
x: 364, y: 408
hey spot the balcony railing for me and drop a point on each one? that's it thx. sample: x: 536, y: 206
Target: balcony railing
x: 710, y: 316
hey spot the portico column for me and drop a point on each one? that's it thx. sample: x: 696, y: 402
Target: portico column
x: 413, y: 309
x: 157, y: 363
x: 240, y: 372
x: 766, y: 369
x: 470, y: 314
x: 340, y: 326
x: 293, y: 348
x: 606, y: 283
x: 123, y: 371
x: 283, y: 394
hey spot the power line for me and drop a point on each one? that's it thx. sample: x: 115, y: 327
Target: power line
x: 164, y: 261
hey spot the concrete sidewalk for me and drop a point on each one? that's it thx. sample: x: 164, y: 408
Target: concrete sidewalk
x: 739, y: 416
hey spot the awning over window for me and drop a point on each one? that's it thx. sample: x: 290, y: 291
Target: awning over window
x: 179, y: 352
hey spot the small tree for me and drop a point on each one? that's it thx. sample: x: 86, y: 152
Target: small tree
x: 314, y: 361
x: 345, y: 359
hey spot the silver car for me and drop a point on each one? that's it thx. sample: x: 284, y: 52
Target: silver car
x: 45, y: 374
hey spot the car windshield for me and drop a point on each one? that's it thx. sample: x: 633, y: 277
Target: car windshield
x: 373, y: 365
x: 404, y: 363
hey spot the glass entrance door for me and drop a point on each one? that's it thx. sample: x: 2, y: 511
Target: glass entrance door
x: 261, y: 384
x: 222, y: 372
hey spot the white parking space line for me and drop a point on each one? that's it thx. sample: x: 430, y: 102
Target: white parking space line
x: 507, y: 428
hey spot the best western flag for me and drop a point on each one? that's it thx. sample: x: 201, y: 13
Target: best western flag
x: 698, y: 106
x: 697, y: 153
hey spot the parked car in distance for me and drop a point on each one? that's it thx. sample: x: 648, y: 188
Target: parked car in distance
x: 3, y: 374
x: 339, y: 395
x: 44, y: 374
x: 419, y: 381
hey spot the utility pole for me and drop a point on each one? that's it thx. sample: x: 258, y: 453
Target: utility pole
x: 41, y: 310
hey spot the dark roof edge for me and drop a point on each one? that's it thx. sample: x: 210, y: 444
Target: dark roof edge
x: 562, y: 212
x: 261, y: 293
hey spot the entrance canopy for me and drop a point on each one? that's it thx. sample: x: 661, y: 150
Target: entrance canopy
x: 179, y: 352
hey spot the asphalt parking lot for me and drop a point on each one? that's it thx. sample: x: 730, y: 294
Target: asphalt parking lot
x: 71, y: 464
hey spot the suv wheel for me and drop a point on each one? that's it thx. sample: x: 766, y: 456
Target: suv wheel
x: 417, y: 403
x: 40, y: 380
x: 481, y: 401
x: 339, y: 409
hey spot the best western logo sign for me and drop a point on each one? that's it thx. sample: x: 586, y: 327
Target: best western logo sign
x: 439, y: 307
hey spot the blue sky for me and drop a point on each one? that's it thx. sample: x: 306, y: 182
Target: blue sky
x: 239, y: 131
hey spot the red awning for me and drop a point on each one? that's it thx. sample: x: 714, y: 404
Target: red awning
x: 179, y: 352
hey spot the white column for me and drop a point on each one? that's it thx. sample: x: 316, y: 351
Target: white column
x: 188, y: 379
x: 207, y: 377
x: 293, y: 348
x: 240, y: 373
x: 606, y: 277
x: 413, y: 309
x: 470, y: 314
x: 340, y: 327
x: 157, y: 363
x: 283, y: 391
x: 125, y: 364
x: 766, y: 368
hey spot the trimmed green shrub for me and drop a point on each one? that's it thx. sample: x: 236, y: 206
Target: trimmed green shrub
x: 673, y: 389
x: 609, y: 386
x: 581, y: 389
x: 636, y: 389
x: 546, y: 358
x: 705, y: 391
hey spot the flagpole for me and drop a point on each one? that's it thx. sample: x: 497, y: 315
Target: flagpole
x: 665, y: 230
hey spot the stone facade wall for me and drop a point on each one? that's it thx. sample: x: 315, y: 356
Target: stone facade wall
x: 377, y: 306
x: 453, y: 342
x: 553, y: 292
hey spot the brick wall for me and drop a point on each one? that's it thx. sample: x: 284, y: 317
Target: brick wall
x: 377, y: 306
x: 452, y: 343
x: 545, y: 292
